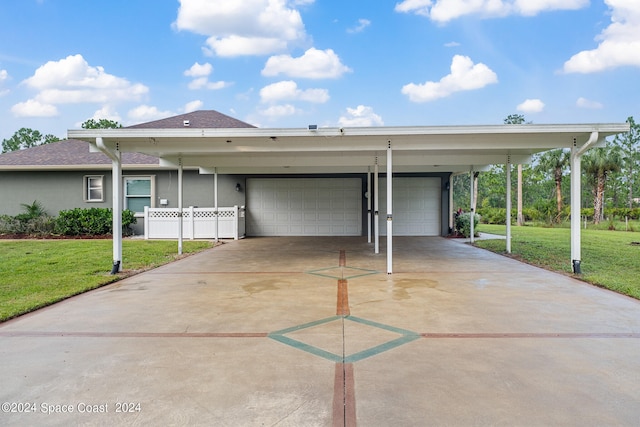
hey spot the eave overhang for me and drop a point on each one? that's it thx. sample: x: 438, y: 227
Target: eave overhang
x: 289, y: 150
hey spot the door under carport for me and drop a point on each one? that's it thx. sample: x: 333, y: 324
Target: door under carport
x: 304, y: 206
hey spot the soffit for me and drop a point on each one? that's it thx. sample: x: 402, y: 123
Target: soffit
x: 260, y: 150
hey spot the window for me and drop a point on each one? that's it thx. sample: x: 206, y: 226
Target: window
x: 138, y: 193
x: 93, y: 189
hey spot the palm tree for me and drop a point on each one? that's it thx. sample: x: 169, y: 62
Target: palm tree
x: 598, y: 163
x: 34, y: 210
x: 629, y: 144
x: 555, y: 161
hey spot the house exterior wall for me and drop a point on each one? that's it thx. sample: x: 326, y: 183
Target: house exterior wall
x: 62, y: 190
x: 56, y: 191
x: 65, y: 190
x: 198, y: 189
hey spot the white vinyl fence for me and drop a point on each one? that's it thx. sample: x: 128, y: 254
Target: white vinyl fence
x: 197, y: 223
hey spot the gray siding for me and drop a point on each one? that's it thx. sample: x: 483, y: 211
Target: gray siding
x: 55, y: 190
x: 64, y: 190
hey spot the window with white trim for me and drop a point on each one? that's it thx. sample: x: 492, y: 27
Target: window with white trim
x: 93, y: 188
x: 138, y: 192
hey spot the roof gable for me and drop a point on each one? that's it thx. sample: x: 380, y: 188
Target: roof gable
x: 73, y: 153
x: 201, y: 119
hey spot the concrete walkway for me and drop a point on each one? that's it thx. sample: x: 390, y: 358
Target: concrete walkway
x: 313, y: 332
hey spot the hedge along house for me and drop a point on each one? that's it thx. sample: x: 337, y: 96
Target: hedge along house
x: 340, y: 181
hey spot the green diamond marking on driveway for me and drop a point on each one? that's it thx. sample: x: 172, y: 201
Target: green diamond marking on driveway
x: 405, y: 337
x: 342, y: 272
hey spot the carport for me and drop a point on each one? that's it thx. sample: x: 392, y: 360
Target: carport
x: 368, y: 150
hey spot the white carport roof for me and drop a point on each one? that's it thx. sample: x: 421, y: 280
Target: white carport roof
x: 333, y: 150
x: 350, y: 150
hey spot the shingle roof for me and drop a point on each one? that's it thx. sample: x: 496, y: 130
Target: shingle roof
x: 70, y: 152
x: 196, y: 119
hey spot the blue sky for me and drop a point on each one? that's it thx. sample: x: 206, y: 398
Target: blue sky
x: 291, y: 63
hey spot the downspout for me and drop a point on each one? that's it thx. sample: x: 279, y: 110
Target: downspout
x: 116, y: 180
x: 389, y: 209
x: 473, y: 213
x: 369, y: 204
x: 180, y: 206
x: 576, y: 189
x: 376, y: 201
x: 215, y: 203
x: 508, y: 203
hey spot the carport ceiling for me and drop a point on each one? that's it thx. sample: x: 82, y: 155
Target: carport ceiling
x: 415, y: 149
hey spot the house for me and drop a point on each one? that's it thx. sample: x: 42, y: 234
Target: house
x: 68, y: 174
x: 298, y: 182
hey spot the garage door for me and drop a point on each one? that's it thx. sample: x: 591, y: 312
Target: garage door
x: 416, y: 206
x: 304, y: 207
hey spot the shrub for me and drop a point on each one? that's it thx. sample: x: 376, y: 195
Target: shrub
x: 92, y: 221
x: 33, y: 220
x: 493, y: 215
x: 622, y: 213
x: 7, y: 224
x: 463, y: 223
x: 588, y: 212
x: 41, y: 225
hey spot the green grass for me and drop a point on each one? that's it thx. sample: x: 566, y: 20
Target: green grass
x: 615, y: 225
x: 609, y: 259
x: 36, y: 273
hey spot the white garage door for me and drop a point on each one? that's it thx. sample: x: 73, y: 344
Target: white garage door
x: 416, y: 206
x: 304, y: 207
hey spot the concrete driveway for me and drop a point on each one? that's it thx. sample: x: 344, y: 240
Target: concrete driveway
x: 313, y: 332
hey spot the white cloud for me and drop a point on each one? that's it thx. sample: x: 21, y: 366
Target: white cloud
x: 73, y: 81
x: 360, y: 27
x: 4, y: 75
x: 244, y: 46
x: 465, y: 75
x: 288, y: 91
x: 73, y: 73
x: 193, y: 106
x: 250, y: 27
x: 587, y: 103
x: 314, y: 64
x: 146, y: 113
x: 452, y: 44
x: 619, y: 42
x: 200, y: 74
x: 446, y: 10
x: 531, y: 106
x: 204, y: 83
x: 199, y: 70
x: 88, y: 95
x: 276, y: 111
x: 361, y: 116
x: 107, y: 112
x: 33, y: 108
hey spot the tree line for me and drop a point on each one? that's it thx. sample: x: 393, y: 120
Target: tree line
x: 610, y: 181
x: 27, y: 137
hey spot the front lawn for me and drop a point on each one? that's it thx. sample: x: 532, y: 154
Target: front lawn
x: 610, y: 259
x: 36, y: 273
